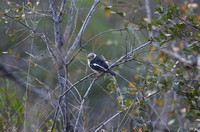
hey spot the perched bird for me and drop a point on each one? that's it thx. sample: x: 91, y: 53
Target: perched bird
x: 98, y: 65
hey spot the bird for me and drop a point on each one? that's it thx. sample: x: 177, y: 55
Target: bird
x: 98, y: 65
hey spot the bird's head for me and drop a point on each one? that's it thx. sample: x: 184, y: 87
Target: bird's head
x: 91, y: 56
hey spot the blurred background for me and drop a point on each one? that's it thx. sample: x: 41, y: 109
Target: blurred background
x: 155, y: 90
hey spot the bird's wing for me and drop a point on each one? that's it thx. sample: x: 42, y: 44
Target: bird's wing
x: 99, y: 64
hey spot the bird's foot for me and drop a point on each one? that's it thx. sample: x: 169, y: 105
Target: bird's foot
x: 97, y: 75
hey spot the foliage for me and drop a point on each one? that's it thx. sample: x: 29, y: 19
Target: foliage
x: 12, y: 111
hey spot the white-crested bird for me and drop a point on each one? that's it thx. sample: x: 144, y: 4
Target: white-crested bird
x: 97, y: 64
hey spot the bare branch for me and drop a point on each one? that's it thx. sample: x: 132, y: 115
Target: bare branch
x: 62, y: 8
x: 55, y: 117
x: 85, y: 23
x: 111, y: 30
x: 56, y: 25
x: 125, y: 109
x: 129, y: 53
x: 103, y: 124
x: 82, y: 103
x: 84, y: 78
x: 148, y: 15
x: 60, y: 98
x: 113, y: 65
x: 69, y: 25
x: 159, y: 117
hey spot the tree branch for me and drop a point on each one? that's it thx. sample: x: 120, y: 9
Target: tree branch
x: 111, y: 30
x: 129, y: 53
x: 85, y: 23
x: 56, y: 25
x: 62, y: 8
x: 69, y: 25
x: 82, y: 103
x: 148, y: 15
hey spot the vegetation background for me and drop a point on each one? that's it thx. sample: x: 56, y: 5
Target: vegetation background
x: 46, y: 84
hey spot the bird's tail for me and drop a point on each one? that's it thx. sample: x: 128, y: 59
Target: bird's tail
x: 111, y: 72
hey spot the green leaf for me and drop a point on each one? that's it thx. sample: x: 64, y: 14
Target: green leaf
x: 16, y: 104
x: 18, y: 20
x: 141, y: 109
x: 13, y: 39
x: 153, y: 22
x: 122, y: 110
x: 159, y: 9
x: 108, y: 7
x: 191, y: 116
x: 121, y: 2
x: 177, y: 12
x: 159, y: 1
x: 155, y: 70
x: 181, y: 25
x: 156, y: 38
x: 121, y: 14
x: 172, y: 10
x: 149, y: 80
x: 165, y: 60
x: 162, y: 35
x: 20, y: 9
x: 159, y: 22
x: 169, y: 15
x: 191, y: 18
x: 2, y: 90
x: 17, y: 16
x: 149, y: 26
x: 150, y: 127
x: 187, y: 52
x: 196, y: 93
x: 10, y: 35
x: 181, y: 83
x: 163, y: 42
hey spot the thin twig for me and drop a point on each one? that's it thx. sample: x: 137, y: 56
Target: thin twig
x: 158, y: 116
x: 75, y: 25
x: 84, y: 78
x: 82, y: 103
x: 82, y: 46
x: 55, y: 117
x: 113, y: 65
x: 129, y: 53
x: 103, y: 124
x: 60, y: 98
x: 62, y: 8
x: 22, y: 23
x: 125, y: 109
